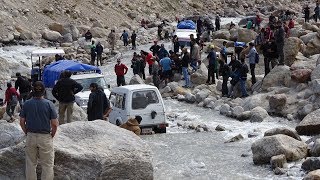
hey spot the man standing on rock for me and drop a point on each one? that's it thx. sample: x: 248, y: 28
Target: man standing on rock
x: 317, y: 12
x: 133, y: 40
x: 279, y: 36
x: 112, y: 39
x: 212, y: 57
x: 243, y: 78
x: 38, y: 120
x: 99, y: 50
x: 306, y: 11
x: 217, y: 23
x: 124, y: 37
x: 185, y: 66
x: 64, y: 91
x: 120, y: 70
x: 195, y: 55
x: 93, y: 53
x: 252, y: 61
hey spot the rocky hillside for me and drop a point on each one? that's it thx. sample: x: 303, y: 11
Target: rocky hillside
x: 25, y: 19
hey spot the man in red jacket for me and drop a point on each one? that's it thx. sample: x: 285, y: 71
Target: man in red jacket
x: 120, y: 70
x: 11, y: 98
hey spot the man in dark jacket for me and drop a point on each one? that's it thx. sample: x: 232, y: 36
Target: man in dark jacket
x: 133, y: 40
x: 24, y: 86
x: 98, y: 104
x: 155, y: 48
x: 88, y: 36
x: 243, y: 78
x: 64, y: 91
x: 225, y: 73
x: 279, y: 36
x: 212, y: 57
x: 270, y: 55
x: 99, y: 50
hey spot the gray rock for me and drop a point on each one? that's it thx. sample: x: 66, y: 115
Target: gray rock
x: 10, y: 133
x: 202, y: 94
x: 277, y: 102
x: 78, y: 114
x: 282, y: 130
x: 166, y: 89
x: 278, y: 161
x: 278, y: 76
x: 180, y: 97
x: 316, y: 86
x: 315, y: 74
x: 315, y: 149
x: 308, y: 37
x: 98, y: 32
x: 263, y: 149
x: 258, y: 114
x: 235, y: 138
x: 190, y: 98
x: 136, y: 79
x: 310, y: 125
x: 279, y: 171
x: 246, y: 115
x: 220, y: 128
x: 312, y: 163
x: 67, y: 38
x: 51, y: 35
x: 86, y: 150
x: 237, y: 111
x: 224, y: 109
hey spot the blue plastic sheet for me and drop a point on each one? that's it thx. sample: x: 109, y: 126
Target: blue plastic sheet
x: 187, y: 24
x: 52, y: 72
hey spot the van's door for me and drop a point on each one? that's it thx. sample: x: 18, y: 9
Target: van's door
x: 149, y: 105
x: 119, y: 114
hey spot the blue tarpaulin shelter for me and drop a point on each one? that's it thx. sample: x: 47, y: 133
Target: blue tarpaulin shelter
x: 186, y: 24
x: 52, y: 72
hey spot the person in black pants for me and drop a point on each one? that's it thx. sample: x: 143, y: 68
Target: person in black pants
x: 212, y: 57
x: 225, y: 73
x: 133, y: 40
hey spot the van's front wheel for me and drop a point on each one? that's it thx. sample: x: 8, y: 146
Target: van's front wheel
x: 160, y: 130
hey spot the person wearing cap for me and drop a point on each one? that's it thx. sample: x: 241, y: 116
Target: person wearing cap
x: 98, y: 104
x: 24, y: 86
x: 64, y: 91
x: 133, y: 125
x: 11, y: 99
x: 212, y: 58
x: 252, y: 61
x: 120, y: 69
x: 38, y: 120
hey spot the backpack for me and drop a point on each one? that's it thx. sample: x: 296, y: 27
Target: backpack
x: 14, y: 100
x: 257, y: 58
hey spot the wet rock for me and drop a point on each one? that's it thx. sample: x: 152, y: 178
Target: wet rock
x: 278, y: 76
x: 277, y: 102
x: 279, y: 171
x: 202, y: 94
x: 180, y: 97
x: 224, y: 109
x: 51, y: 35
x: 91, y: 151
x: 291, y: 48
x: 313, y: 175
x: 190, y: 98
x: 10, y: 133
x: 220, y: 128
x: 301, y: 75
x: 312, y: 163
x: 258, y: 114
x: 253, y: 134
x: 282, y: 130
x: 310, y: 125
x: 235, y: 139
x: 246, y: 115
x: 278, y: 161
x: 236, y: 111
x: 315, y: 149
x: 136, y: 79
x: 263, y: 149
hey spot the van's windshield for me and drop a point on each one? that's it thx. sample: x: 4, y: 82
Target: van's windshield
x: 86, y: 82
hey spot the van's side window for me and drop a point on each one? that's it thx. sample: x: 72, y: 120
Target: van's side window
x: 141, y: 99
x: 118, y: 100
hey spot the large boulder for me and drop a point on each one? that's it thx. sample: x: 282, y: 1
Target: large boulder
x: 315, y: 84
x: 78, y: 114
x: 98, y: 32
x: 301, y: 75
x: 278, y: 76
x: 313, y: 47
x: 310, y: 125
x: 51, y: 35
x: 282, y: 130
x: 308, y: 37
x: 291, y: 48
x: 315, y: 74
x: 5, y: 72
x: 10, y: 134
x: 277, y: 102
x: 202, y: 94
x: 313, y: 175
x: 56, y: 27
x: 136, y: 79
x: 246, y: 35
x: 311, y: 164
x: 315, y: 149
x: 200, y: 76
x: 258, y: 114
x: 88, y: 150
x: 221, y: 34
x: 269, y: 146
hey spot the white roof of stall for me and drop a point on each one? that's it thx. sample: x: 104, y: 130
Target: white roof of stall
x: 184, y: 34
x: 47, y: 52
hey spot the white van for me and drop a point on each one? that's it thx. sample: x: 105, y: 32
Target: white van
x: 143, y: 100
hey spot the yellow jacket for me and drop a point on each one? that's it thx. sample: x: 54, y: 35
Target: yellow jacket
x: 132, y: 125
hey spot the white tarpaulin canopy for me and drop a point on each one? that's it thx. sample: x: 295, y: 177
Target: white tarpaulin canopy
x: 184, y: 34
x: 47, y: 52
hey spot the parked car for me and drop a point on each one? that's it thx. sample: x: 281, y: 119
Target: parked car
x: 143, y: 100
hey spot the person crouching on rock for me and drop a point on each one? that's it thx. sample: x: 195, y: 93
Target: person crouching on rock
x: 133, y: 125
